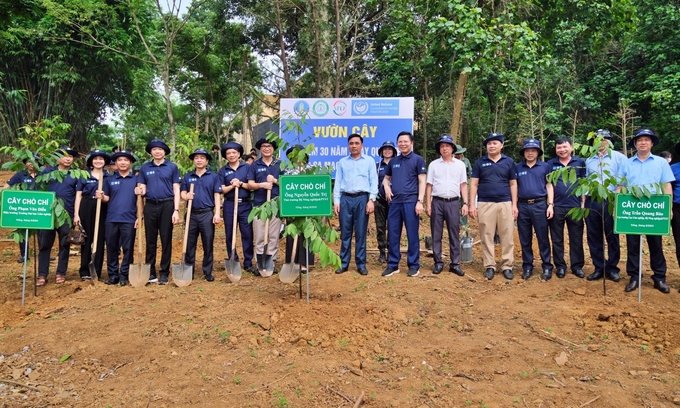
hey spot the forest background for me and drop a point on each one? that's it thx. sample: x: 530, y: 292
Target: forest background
x: 195, y: 73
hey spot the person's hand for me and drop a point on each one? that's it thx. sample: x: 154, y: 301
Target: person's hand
x: 217, y: 219
x: 235, y: 182
x: 189, y: 196
x: 429, y: 210
x: 464, y: 210
x: 76, y: 219
x: 175, y: 217
x: 549, y: 212
x: 266, y: 185
x: 419, y: 208
x: 336, y: 209
x: 472, y: 212
x: 271, y: 179
x: 369, y: 207
x: 515, y: 212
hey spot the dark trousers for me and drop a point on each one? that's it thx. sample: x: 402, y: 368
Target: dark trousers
x: 201, y: 224
x: 119, y: 236
x: 675, y: 224
x: 599, y: 213
x: 575, y: 231
x: 449, y: 212
x: 158, y: 220
x: 45, y: 242
x: 88, y: 212
x: 245, y: 229
x: 403, y: 214
x: 380, y: 210
x: 656, y: 258
x: 301, y: 253
x: 353, y: 218
x: 533, y: 216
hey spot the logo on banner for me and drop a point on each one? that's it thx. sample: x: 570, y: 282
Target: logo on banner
x: 360, y: 108
x: 320, y: 108
x: 301, y: 108
x: 340, y: 108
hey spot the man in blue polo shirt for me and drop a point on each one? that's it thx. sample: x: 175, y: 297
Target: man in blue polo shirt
x: 535, y: 206
x: 66, y: 190
x: 205, y: 209
x: 264, y: 175
x: 235, y: 174
x: 494, y: 182
x: 121, y: 217
x: 354, y: 192
x: 564, y: 202
x: 404, y: 184
x: 613, y: 163
x: 647, y: 170
x: 159, y: 183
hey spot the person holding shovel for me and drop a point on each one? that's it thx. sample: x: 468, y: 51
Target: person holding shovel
x: 159, y: 182
x: 85, y: 212
x: 205, y: 211
x: 120, y: 192
x: 263, y: 178
x: 232, y: 175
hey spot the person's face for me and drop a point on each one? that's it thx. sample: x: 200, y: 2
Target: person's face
x: 29, y: 167
x: 530, y: 154
x: 388, y: 153
x: 404, y: 144
x: 267, y: 149
x: 200, y: 161
x: 65, y: 161
x: 459, y: 156
x: 98, y: 162
x: 355, y: 146
x: 233, y: 156
x: 445, y: 149
x: 563, y: 150
x: 250, y: 160
x: 157, y: 153
x: 123, y: 163
x: 604, y: 146
x: 643, y: 144
x: 494, y: 147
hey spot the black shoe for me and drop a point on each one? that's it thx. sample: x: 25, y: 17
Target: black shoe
x: 507, y: 274
x: 341, y: 270
x: 412, y: 272
x: 209, y: 278
x: 560, y: 272
x: 123, y: 281
x: 382, y: 258
x: 489, y: 273
x: 578, y: 272
x: 547, y: 274
x: 613, y: 276
x: 362, y: 271
x: 153, y: 278
x: 163, y: 280
x: 21, y: 259
x: 632, y: 285
x: 527, y: 274
x: 595, y: 276
x: 390, y: 271
x: 456, y: 270
x: 662, y: 286
x: 437, y: 269
x: 52, y: 259
x: 112, y: 280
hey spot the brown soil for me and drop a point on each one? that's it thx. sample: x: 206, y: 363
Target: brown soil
x: 430, y: 341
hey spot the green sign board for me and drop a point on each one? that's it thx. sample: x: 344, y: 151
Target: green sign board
x: 306, y: 195
x: 27, y: 209
x: 644, y: 216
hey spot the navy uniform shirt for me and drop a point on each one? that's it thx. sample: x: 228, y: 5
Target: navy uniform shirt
x: 494, y: 178
x: 159, y: 179
x: 380, y: 168
x: 531, y: 181
x: 65, y: 190
x: 22, y: 177
x: 122, y: 199
x: 404, y: 171
x: 89, y: 186
x: 563, y: 196
x: 205, y: 187
x: 227, y: 174
x: 258, y: 172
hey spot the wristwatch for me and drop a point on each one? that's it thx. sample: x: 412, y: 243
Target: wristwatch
x: 420, y: 201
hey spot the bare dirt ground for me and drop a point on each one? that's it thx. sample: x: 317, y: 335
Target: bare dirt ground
x: 430, y: 341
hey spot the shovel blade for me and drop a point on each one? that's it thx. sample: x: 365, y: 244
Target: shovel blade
x: 260, y: 261
x: 182, y: 274
x: 289, y: 273
x: 269, y: 263
x: 139, y: 275
x: 93, y: 271
x: 233, y: 269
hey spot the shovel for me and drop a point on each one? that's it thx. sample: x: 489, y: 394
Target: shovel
x: 93, y: 271
x: 183, y: 274
x: 232, y: 266
x: 139, y: 273
x: 266, y: 263
x: 290, y: 271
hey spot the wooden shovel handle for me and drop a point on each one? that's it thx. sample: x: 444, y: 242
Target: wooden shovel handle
x: 97, y: 215
x: 140, y: 214
x: 186, y: 224
x: 266, y: 223
x: 233, y: 231
x: 295, y: 242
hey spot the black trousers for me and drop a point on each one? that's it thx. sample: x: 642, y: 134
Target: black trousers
x: 597, y: 235
x: 533, y: 216
x: 300, y: 253
x: 380, y: 210
x: 158, y: 221
x: 119, y: 236
x: 46, y: 242
x: 201, y: 224
x: 88, y: 212
x: 449, y: 212
x: 575, y: 231
x: 656, y: 258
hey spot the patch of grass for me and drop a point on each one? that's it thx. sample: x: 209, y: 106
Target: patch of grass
x: 548, y: 329
x: 280, y: 401
x: 343, y: 343
x: 524, y: 374
x: 379, y: 357
x: 237, y: 380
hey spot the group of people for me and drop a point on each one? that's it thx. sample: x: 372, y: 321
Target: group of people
x: 400, y: 188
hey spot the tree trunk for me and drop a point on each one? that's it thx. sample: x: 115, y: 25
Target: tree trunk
x: 458, y: 105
